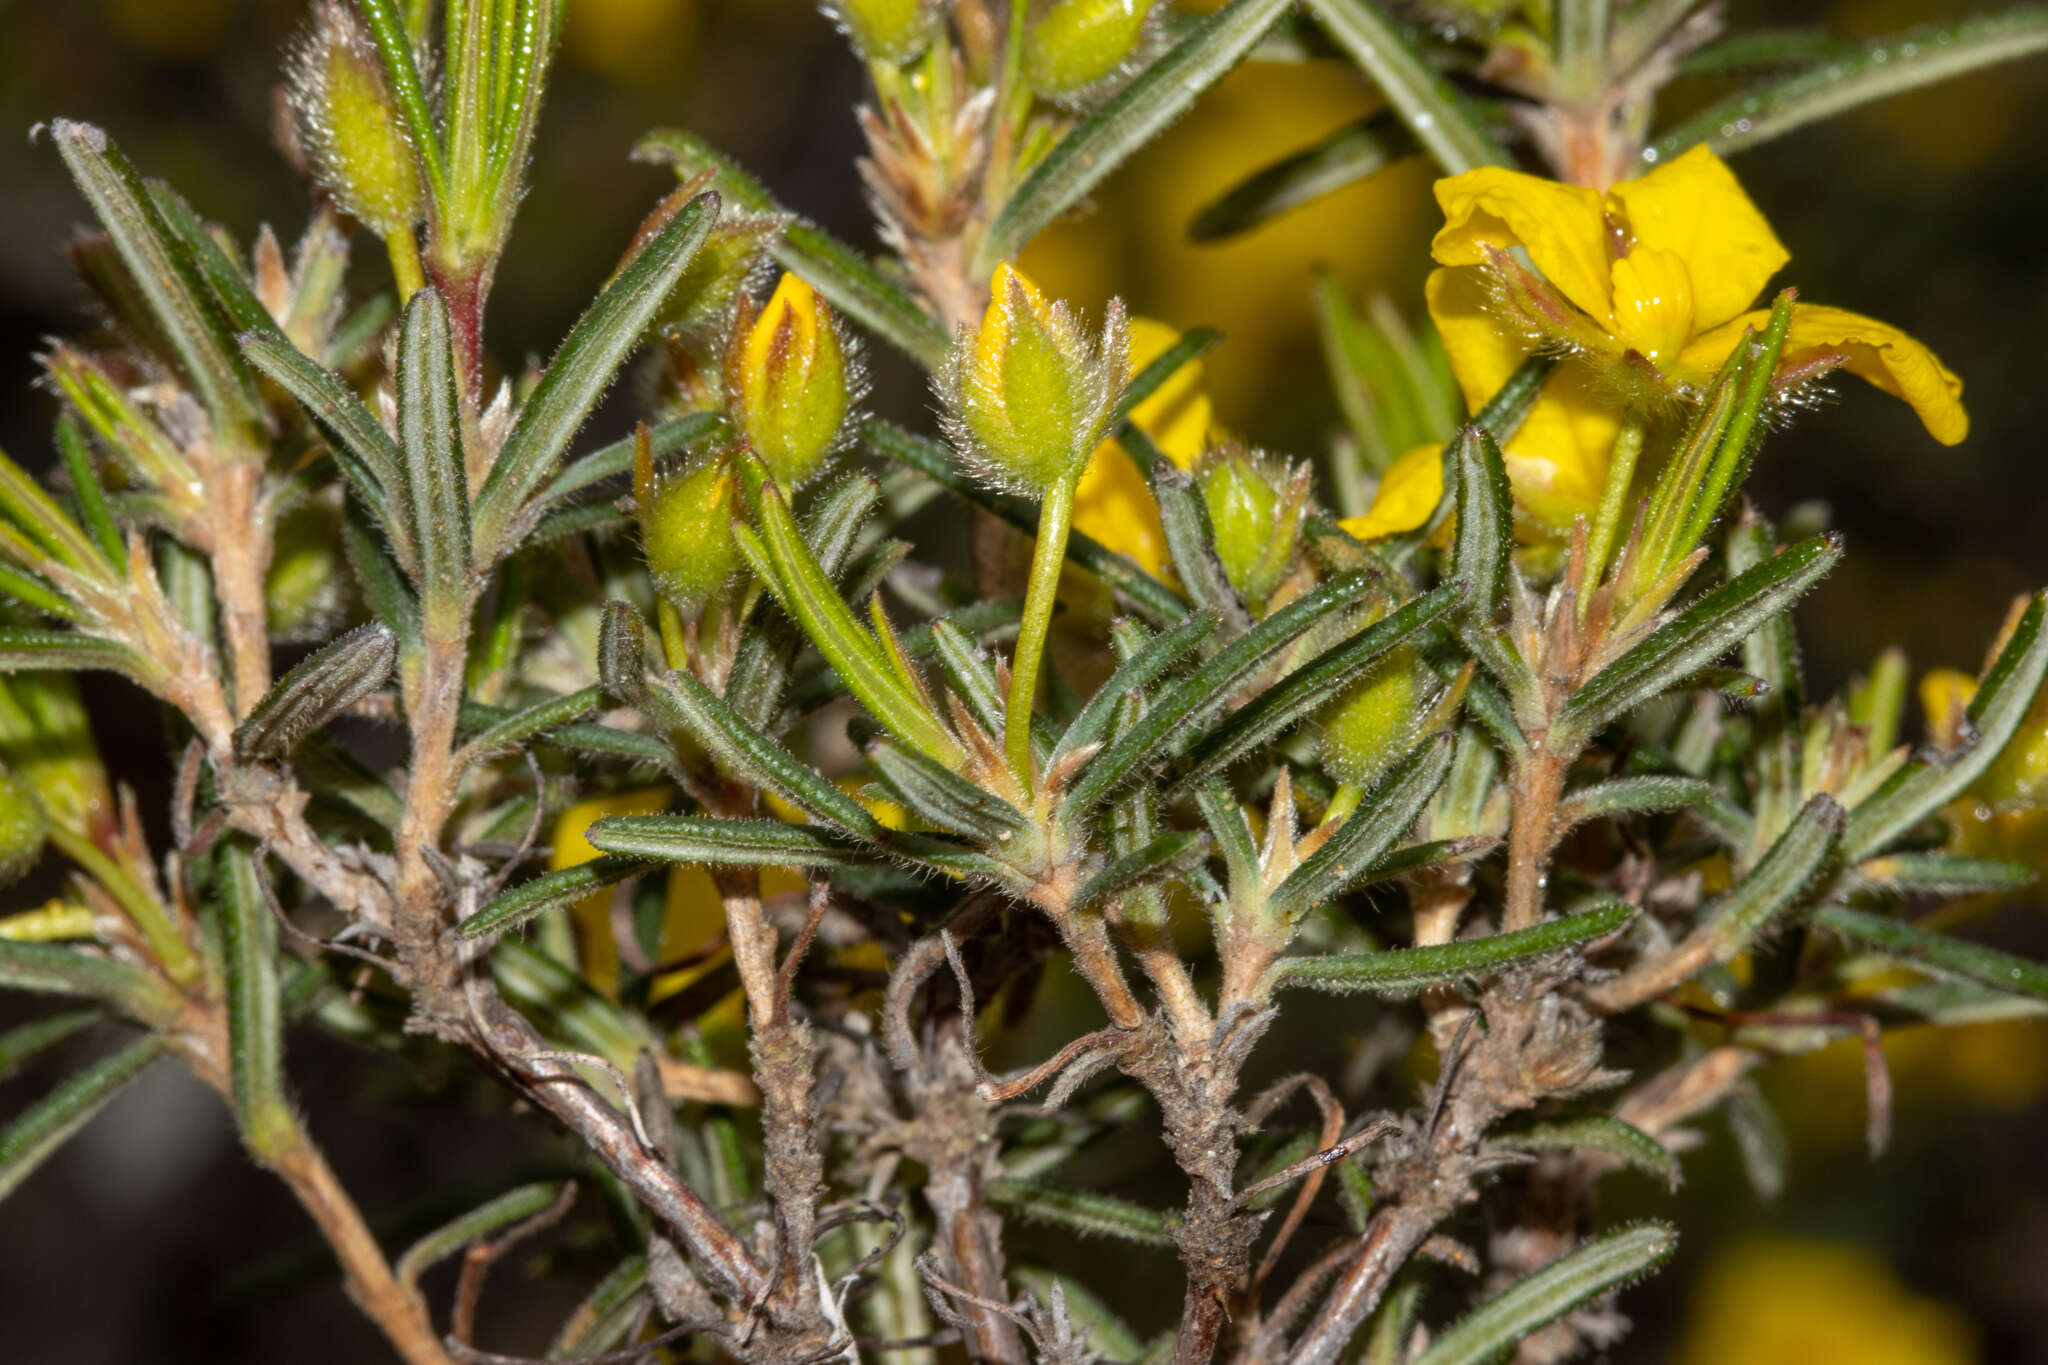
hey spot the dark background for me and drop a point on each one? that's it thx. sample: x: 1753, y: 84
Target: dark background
x: 151, y: 1238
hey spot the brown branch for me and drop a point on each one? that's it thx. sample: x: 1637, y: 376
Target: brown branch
x: 239, y: 546
x: 368, y: 1276
x: 1539, y: 780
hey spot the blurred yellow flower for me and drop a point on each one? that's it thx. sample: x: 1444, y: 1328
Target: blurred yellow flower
x: 1785, y: 1302
x: 1113, y: 503
x: 1409, y: 491
x: 694, y: 912
x: 1651, y: 281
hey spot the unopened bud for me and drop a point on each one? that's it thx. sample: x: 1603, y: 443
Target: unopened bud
x: 786, y: 381
x: 46, y: 741
x: 23, y: 827
x: 1255, y: 509
x: 349, y: 124
x: 1080, y: 42
x: 1028, y: 396
x: 686, y: 532
x: 1375, y: 722
x: 887, y: 30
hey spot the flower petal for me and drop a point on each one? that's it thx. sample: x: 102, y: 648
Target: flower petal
x: 1557, y: 460
x: 1481, y: 351
x: 1872, y: 350
x: 1177, y: 416
x: 1409, y: 491
x: 1694, y: 208
x: 1114, y: 505
x: 1563, y: 227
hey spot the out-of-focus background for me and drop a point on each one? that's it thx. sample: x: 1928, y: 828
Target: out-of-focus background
x: 151, y: 1238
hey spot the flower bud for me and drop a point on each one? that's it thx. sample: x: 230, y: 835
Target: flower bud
x: 349, y: 124
x: 1373, y: 723
x: 686, y: 532
x: 887, y: 30
x: 1028, y: 396
x: 22, y: 827
x: 1080, y: 42
x: 1255, y: 509
x: 786, y: 381
x: 46, y: 740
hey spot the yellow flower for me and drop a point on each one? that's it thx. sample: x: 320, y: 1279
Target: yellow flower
x: 1113, y: 503
x: 1650, y: 285
x: 1409, y: 491
x: 1784, y: 1302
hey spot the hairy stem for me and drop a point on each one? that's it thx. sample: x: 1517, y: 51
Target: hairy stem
x: 240, y: 552
x: 1048, y: 557
x: 371, y: 1284
x: 1539, y: 780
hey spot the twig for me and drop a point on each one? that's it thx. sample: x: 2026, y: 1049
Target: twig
x: 481, y: 1255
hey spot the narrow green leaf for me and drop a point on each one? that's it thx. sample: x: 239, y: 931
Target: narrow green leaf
x: 582, y: 369
x: 745, y: 754
x: 1602, y: 1264
x: 516, y: 729
x: 1232, y: 829
x: 1881, y: 69
x: 1477, y: 479
x: 23, y: 650
x: 1382, y: 818
x: 25, y: 1042
x: 1995, y: 714
x: 1165, y: 857
x: 588, y: 738
x: 1615, y: 1137
x: 320, y: 687
x: 164, y: 272
x: 328, y: 768
x: 1404, y: 971
x: 430, y: 438
x: 849, y: 282
x: 1191, y: 544
x: 528, y: 899
x: 90, y: 493
x: 616, y: 459
x: 224, y: 279
x: 1709, y: 628
x: 725, y: 842
x: 565, y: 1006
x: 1441, y: 119
x: 946, y: 799
x: 1145, y: 594
x: 1798, y: 865
x: 1165, y: 730
x: 1763, y: 48
x: 1134, y: 675
x: 1096, y: 1215
x: 1619, y: 796
x: 1126, y: 121
x: 1162, y: 367
x: 248, y: 937
x: 368, y: 458
x: 606, y: 1314
x: 394, y: 44
x: 1942, y: 874
x: 1942, y: 953
x: 1351, y: 154
x: 35, y: 1135
x: 513, y: 1206
x: 385, y: 589
x: 801, y: 585
x: 1306, y: 689
x: 967, y: 673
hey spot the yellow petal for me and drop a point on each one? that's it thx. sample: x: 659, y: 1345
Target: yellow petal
x: 1872, y: 350
x: 1557, y: 460
x: 1653, y: 303
x: 1177, y: 415
x: 1481, y: 352
x: 1563, y: 226
x: 1114, y: 505
x: 1409, y: 491
x: 1694, y: 208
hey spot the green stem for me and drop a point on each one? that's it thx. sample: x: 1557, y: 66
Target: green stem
x: 404, y: 250
x: 1343, y: 803
x: 1048, y: 557
x: 1621, y: 472
x: 151, y: 918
